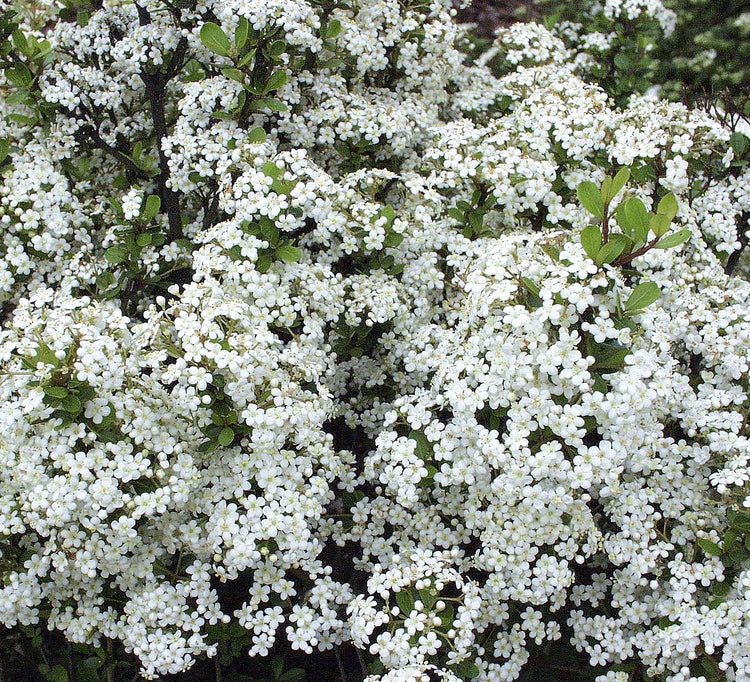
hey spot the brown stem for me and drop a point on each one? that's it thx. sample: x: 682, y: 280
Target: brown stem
x: 605, y: 226
x: 96, y: 140
x: 342, y: 671
x: 734, y: 257
x: 622, y: 260
x: 155, y: 89
x: 156, y: 86
x: 110, y: 664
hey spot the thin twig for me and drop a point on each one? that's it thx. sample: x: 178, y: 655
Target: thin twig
x: 340, y: 663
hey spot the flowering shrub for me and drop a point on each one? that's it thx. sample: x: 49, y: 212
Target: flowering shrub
x: 320, y: 335
x: 682, y: 48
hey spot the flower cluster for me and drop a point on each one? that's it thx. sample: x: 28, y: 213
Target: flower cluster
x: 300, y: 342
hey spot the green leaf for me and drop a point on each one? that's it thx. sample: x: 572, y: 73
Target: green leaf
x: 269, y: 232
x: 4, y: 148
x: 71, y: 403
x: 618, y: 182
x: 612, y: 249
x: 56, y: 391
x: 263, y: 264
x: 672, y: 240
x: 21, y: 119
x: 404, y: 601
x: 659, y: 224
x: 215, y: 39
x: 116, y: 254
x: 57, y: 674
x: 476, y: 220
x: 739, y: 520
x: 293, y: 675
x: 622, y: 221
x: 150, y: 208
x: 393, y: 239
x: 257, y: 135
x: 623, y: 62
x: 721, y: 589
x: 591, y: 239
x: 551, y: 250
x: 226, y: 437
x: 643, y: 295
x: 636, y: 217
x: 20, y: 42
x: 466, y: 670
x: 423, y: 450
x: 333, y: 29
x: 289, y: 253
x: 271, y: 170
x: 143, y: 239
x: 277, y: 80
x: 234, y: 74
x: 208, y: 446
x: 591, y: 199
x: 19, y: 75
x: 87, y: 670
x: 609, y: 355
x: 739, y: 143
x: 277, y: 48
x: 241, y: 33
x: 710, y: 548
x: 531, y: 286
x: 668, y: 206
x: 270, y: 103
x: 246, y: 59
x: 428, y: 596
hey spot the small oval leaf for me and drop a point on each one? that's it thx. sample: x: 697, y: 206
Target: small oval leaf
x: 226, y: 437
x: 668, y: 206
x: 288, y: 253
x: 619, y: 181
x: 709, y: 547
x: 214, y: 38
x: 591, y: 239
x: 672, y: 240
x: 643, y: 295
x: 591, y: 199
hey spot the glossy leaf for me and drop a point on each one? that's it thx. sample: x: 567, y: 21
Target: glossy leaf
x: 591, y: 199
x: 739, y: 143
x: 643, y: 295
x: 333, y: 29
x: 709, y: 547
x: 591, y: 239
x: 270, y: 103
x: 56, y: 391
x: 226, y: 437
x: 277, y: 80
x: 659, y: 224
x: 636, y: 216
x: 403, y: 599
x: 668, y: 206
x: 288, y: 253
x: 619, y: 181
x: 674, y: 239
x: 257, y: 135
x: 116, y: 254
x: 214, y: 38
x: 612, y: 249
x: 150, y: 208
x: 241, y: 33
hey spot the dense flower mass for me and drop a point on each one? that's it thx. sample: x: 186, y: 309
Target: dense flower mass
x: 306, y: 342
